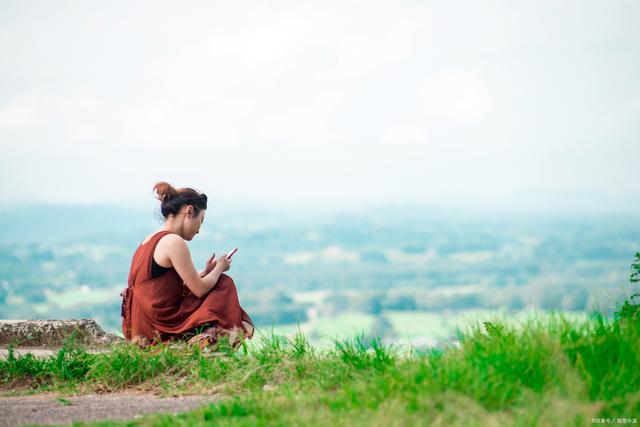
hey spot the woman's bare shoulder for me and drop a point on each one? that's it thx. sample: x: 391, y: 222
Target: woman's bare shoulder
x: 171, y: 241
x: 150, y: 236
x: 170, y: 246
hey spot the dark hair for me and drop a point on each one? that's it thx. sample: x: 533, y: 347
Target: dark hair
x: 174, y: 199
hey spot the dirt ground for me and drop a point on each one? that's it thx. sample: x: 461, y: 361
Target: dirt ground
x: 54, y: 409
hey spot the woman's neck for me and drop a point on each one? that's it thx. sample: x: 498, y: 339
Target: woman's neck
x: 173, y: 226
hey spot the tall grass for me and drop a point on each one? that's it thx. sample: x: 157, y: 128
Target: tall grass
x: 543, y: 370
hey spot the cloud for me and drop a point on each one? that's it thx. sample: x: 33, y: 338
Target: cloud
x: 306, y: 125
x: 457, y: 95
x: 354, y: 106
x: 18, y: 113
x: 260, y: 44
x: 383, y: 41
x: 404, y: 134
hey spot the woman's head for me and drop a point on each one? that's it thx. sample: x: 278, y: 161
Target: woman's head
x: 184, y: 207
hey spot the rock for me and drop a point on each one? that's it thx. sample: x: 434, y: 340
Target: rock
x: 50, y: 333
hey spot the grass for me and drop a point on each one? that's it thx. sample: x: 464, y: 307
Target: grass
x: 534, y: 370
x: 552, y: 370
x: 65, y: 402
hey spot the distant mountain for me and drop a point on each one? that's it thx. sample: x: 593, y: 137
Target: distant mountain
x: 64, y: 223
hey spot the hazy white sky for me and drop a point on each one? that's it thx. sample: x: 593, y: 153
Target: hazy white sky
x: 474, y: 104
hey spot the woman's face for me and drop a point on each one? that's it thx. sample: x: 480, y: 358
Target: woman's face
x: 193, y: 223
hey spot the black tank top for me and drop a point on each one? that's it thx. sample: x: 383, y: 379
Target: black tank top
x: 158, y: 270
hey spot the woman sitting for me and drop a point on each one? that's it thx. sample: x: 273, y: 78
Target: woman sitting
x: 166, y: 298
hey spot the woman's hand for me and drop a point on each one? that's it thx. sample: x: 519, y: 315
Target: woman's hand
x: 211, y: 264
x: 223, y: 263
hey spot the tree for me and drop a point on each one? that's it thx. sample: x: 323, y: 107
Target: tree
x: 630, y: 309
x: 374, y: 304
x: 402, y: 302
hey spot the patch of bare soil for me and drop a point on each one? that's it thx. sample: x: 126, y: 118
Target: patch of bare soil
x: 56, y: 409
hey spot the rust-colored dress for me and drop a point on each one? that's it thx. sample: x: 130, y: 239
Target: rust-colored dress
x: 163, y: 308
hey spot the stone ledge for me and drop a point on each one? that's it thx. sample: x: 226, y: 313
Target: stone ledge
x: 52, y: 333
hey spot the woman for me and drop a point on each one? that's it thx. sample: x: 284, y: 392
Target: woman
x: 167, y: 298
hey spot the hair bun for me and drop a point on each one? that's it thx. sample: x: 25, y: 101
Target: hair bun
x: 165, y: 191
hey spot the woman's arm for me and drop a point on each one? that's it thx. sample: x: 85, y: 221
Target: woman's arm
x: 180, y: 256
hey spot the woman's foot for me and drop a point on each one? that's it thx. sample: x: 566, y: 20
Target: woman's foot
x: 211, y: 336
x: 249, y: 330
x: 140, y: 341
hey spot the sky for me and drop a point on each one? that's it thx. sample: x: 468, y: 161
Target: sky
x: 481, y: 104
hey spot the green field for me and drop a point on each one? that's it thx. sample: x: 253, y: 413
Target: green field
x: 83, y: 296
x: 409, y: 325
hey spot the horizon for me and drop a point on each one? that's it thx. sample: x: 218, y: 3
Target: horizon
x: 525, y: 204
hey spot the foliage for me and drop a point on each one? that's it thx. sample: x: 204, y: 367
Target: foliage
x: 630, y: 309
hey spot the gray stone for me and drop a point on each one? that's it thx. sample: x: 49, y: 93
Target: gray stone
x: 52, y: 333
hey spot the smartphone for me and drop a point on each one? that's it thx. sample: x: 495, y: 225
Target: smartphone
x: 231, y: 253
